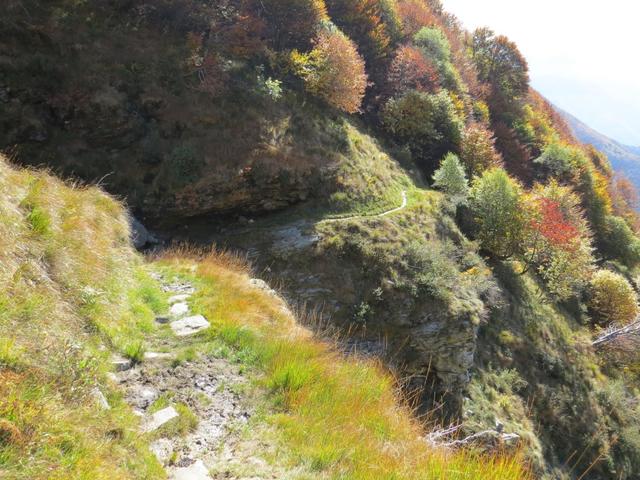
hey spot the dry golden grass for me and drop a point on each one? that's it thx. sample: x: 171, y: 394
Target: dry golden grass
x: 69, y: 281
x: 342, y: 417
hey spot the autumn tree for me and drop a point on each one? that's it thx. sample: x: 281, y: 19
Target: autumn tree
x: 291, y: 23
x: 428, y: 124
x: 411, y: 71
x: 495, y: 201
x: 390, y: 14
x: 362, y: 21
x: 451, y: 179
x: 333, y: 70
x: 625, y: 200
x: 478, y: 151
x: 500, y: 64
x: 557, y: 240
x: 612, y: 299
x: 414, y: 15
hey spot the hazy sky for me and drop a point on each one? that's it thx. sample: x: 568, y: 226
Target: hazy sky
x: 584, y: 55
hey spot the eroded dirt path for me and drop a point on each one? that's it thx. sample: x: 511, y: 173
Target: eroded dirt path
x: 206, y: 396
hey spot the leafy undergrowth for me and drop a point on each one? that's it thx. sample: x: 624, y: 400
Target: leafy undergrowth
x: 339, y: 417
x: 69, y: 283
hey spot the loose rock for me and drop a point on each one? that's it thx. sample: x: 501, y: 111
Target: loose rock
x: 195, y: 471
x: 179, y: 309
x: 159, y: 418
x: 190, y: 325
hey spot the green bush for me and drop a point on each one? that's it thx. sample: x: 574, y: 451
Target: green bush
x: 451, y: 179
x: 612, y: 299
x: 495, y: 203
x: 427, y: 124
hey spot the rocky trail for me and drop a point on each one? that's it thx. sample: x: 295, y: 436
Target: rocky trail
x: 201, y: 396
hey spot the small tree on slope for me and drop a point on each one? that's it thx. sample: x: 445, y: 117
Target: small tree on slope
x: 451, y: 179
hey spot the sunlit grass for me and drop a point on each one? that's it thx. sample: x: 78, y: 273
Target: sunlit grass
x: 69, y: 283
x: 340, y: 417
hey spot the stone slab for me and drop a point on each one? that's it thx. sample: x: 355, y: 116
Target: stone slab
x: 159, y: 418
x: 195, y: 471
x: 190, y: 325
x: 179, y: 298
x: 179, y: 309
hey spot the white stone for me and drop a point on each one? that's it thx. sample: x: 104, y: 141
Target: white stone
x: 151, y: 356
x: 179, y: 309
x: 179, y: 298
x: 159, y: 418
x: 100, y: 399
x: 162, y: 449
x: 121, y: 364
x: 195, y: 471
x: 190, y: 325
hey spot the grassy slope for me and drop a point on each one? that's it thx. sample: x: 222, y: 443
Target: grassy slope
x: 339, y: 417
x: 71, y: 283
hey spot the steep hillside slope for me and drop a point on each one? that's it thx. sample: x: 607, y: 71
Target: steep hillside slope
x: 255, y: 394
x: 307, y: 133
x: 623, y: 158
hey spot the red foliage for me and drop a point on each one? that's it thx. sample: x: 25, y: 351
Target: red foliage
x: 553, y: 225
x: 410, y: 70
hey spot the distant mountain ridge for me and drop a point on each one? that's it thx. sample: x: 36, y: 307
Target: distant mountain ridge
x: 624, y: 158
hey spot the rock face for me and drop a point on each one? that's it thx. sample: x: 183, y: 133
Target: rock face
x: 140, y: 236
x: 417, y: 334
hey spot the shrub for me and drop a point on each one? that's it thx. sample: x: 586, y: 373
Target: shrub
x: 495, y: 202
x: 333, y: 71
x: 620, y: 242
x: 434, y: 44
x: 612, y: 299
x: 560, y: 161
x: 183, y: 164
x: 428, y: 124
x: 410, y: 70
x: 478, y: 151
x: 451, y: 179
x: 558, y: 240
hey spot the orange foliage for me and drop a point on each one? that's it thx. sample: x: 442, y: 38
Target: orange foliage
x: 414, y: 15
x: 336, y: 71
x: 410, y: 70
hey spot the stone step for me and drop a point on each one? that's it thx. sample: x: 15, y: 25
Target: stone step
x: 179, y: 309
x: 190, y: 325
x: 159, y: 418
x: 121, y: 364
x: 179, y: 298
x: 154, y: 356
x: 195, y: 471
